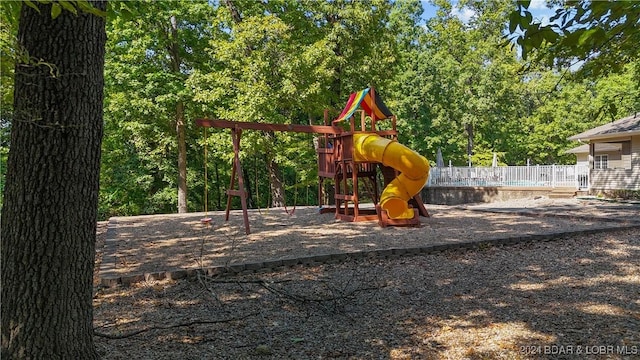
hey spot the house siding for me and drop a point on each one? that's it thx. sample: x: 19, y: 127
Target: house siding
x: 623, y: 172
x: 615, y: 160
x: 582, y: 159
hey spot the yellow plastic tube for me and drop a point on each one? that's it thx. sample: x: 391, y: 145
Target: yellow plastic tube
x: 414, y: 170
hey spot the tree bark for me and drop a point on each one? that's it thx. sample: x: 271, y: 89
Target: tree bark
x: 247, y: 185
x: 275, y: 183
x: 470, y: 134
x: 176, y: 62
x: 275, y: 175
x: 51, y: 192
x: 182, y: 159
x: 235, y: 14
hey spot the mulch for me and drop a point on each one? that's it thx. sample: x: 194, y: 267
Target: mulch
x: 173, y: 246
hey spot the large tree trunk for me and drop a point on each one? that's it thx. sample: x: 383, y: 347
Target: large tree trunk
x: 182, y: 159
x: 275, y: 184
x: 51, y: 194
x: 470, y: 134
x: 275, y: 176
x: 176, y: 62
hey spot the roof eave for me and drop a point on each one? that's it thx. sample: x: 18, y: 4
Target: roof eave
x: 579, y: 137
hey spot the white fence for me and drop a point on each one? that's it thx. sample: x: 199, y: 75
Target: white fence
x: 538, y: 176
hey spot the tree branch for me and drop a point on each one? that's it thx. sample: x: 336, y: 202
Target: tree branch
x: 163, y: 327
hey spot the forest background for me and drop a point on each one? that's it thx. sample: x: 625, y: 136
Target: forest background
x: 455, y: 83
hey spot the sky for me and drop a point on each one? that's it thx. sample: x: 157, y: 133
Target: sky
x: 538, y: 9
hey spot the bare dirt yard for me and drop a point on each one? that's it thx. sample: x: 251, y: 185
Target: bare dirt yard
x: 442, y: 291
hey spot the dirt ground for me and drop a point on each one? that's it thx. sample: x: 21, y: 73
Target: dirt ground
x: 162, y: 246
x: 565, y: 296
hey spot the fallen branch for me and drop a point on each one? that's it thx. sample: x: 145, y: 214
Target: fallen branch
x: 244, y: 281
x: 164, y: 327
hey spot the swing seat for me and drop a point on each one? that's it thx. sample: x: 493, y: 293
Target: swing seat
x: 206, y: 220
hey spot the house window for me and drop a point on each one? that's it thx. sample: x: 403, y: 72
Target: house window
x: 601, y: 162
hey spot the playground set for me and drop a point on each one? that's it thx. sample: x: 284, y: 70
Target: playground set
x: 348, y: 151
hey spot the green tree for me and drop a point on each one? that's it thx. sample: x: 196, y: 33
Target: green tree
x: 464, y: 85
x: 414, y: 79
x: 592, y: 44
x: 457, y: 88
x: 602, y: 34
x: 51, y: 193
x: 283, y: 62
x: 557, y: 107
x: 149, y: 110
x: 9, y: 51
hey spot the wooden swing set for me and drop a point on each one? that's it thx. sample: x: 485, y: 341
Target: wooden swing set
x: 337, y: 160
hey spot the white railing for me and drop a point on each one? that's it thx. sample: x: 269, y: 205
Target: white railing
x: 539, y: 176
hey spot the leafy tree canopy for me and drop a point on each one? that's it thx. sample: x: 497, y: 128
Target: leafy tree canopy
x: 451, y: 82
x: 602, y: 34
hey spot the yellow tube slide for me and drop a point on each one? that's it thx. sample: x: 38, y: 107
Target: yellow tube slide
x: 414, y: 170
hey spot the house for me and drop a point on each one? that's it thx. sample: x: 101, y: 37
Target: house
x: 612, y: 152
x: 605, y: 151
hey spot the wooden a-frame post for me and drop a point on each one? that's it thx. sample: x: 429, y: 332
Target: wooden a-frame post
x: 236, y: 171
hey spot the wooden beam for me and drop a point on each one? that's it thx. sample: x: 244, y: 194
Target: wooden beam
x: 229, y: 124
x: 236, y: 171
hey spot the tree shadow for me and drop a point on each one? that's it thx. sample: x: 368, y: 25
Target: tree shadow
x: 169, y: 244
x: 515, y: 302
